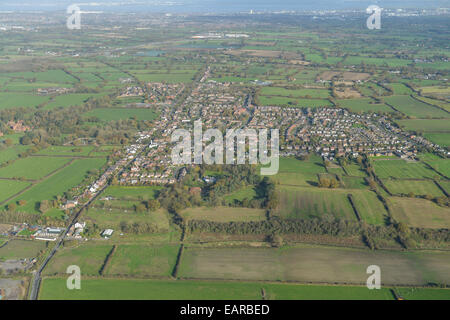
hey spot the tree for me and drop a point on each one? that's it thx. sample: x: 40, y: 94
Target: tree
x: 11, y: 207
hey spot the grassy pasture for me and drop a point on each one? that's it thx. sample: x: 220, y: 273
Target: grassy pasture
x: 415, y: 108
x: 21, y: 249
x: 9, y: 188
x: 298, y: 202
x: 111, y: 219
x: 300, y: 102
x: 401, y: 169
x: 88, y: 256
x: 126, y: 192
x: 369, y: 207
x: 243, y: 193
x: 224, y: 214
x: 426, y: 125
x: 424, y: 293
x: 123, y: 289
x: 142, y: 260
x: 298, y: 172
x: 12, y: 100
x: 420, y: 213
x: 322, y: 292
x: 364, y: 105
x: 58, y: 183
x: 112, y: 114
x: 442, y: 139
x: 297, y: 93
x: 314, y: 264
x: 421, y: 187
x: 32, y: 167
x: 11, y: 153
x: 66, y: 151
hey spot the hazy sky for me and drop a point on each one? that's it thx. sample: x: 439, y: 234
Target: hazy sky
x: 213, y: 5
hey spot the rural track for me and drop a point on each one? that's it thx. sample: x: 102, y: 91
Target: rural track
x: 37, y: 276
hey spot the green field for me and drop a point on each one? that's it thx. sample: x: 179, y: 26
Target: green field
x: 369, y: 207
x: 315, y: 264
x: 364, y: 105
x: 420, y: 213
x: 224, y: 214
x: 112, y: 114
x: 415, y: 108
x: 298, y: 172
x: 128, y: 289
x: 426, y: 125
x: 88, y: 256
x: 442, y: 139
x: 126, y: 192
x: 111, y: 218
x: 9, y: 188
x: 401, y: 169
x: 423, y: 293
x: 423, y: 187
x: 66, y: 151
x: 21, y: 249
x: 142, y: 260
x: 299, y: 202
x: 32, y: 167
x: 55, y: 288
x: 58, y: 183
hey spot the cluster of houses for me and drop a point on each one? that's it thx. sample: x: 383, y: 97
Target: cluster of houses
x: 53, y: 91
x: 163, y: 92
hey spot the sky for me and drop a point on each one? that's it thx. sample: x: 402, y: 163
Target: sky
x: 213, y: 6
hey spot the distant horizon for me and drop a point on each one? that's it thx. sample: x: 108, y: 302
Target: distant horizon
x: 217, y: 6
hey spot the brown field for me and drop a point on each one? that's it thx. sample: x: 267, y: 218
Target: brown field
x: 298, y: 62
x: 347, y: 93
x: 224, y: 214
x: 420, y: 212
x: 348, y: 76
x: 309, y: 263
x: 267, y: 54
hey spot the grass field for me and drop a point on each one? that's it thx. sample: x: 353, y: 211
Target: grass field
x: 11, y: 153
x: 66, y: 151
x: 58, y: 183
x: 442, y: 139
x: 364, y: 105
x: 369, y: 207
x: 224, y: 214
x: 9, y: 188
x: 401, y: 169
x: 298, y: 202
x: 106, y: 218
x: 415, y: 108
x: 126, y: 192
x: 422, y: 187
x: 21, y: 249
x: 142, y: 260
x: 88, y: 256
x: 420, y: 213
x: 32, y: 167
x: 55, y: 288
x: 426, y: 125
x: 315, y: 264
x: 94, y: 289
x: 112, y: 114
x: 299, y: 173
x: 243, y: 193
x: 424, y: 293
